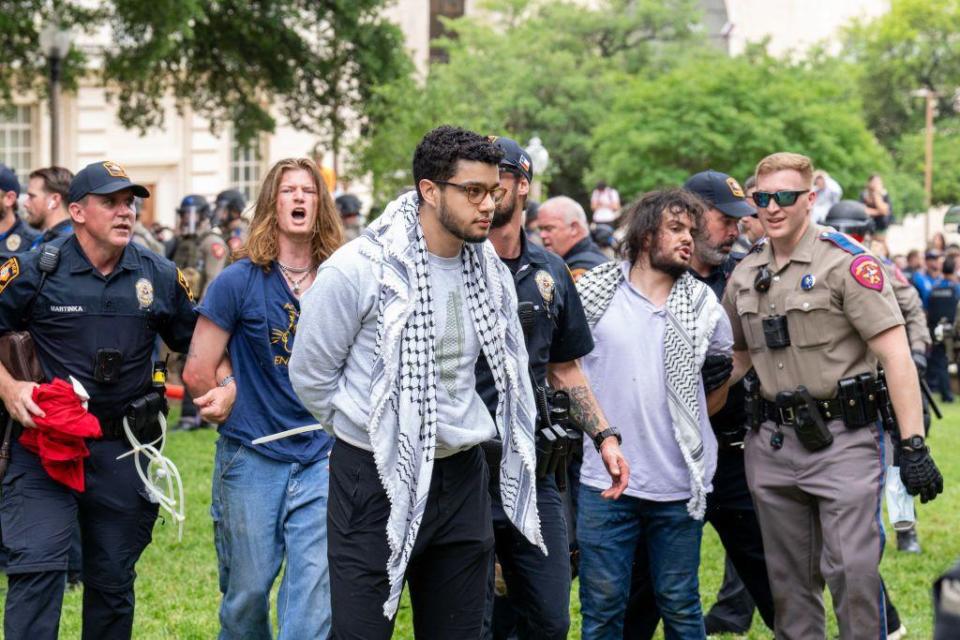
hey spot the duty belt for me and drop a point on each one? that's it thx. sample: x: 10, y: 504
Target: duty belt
x: 785, y: 414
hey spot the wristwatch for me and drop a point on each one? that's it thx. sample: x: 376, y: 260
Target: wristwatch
x: 225, y: 381
x: 913, y: 443
x: 603, y: 435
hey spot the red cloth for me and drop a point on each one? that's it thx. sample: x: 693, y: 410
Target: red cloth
x: 59, y: 437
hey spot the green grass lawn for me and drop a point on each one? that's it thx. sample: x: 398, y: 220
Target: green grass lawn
x: 178, y: 596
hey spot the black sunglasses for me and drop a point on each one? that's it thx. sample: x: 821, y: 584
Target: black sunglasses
x: 782, y: 198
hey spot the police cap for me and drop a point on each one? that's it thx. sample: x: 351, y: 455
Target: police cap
x: 102, y: 178
x: 8, y: 180
x: 721, y: 192
x: 515, y: 159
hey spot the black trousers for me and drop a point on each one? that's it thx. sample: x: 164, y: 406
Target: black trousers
x: 537, y: 605
x: 447, y: 573
x: 730, y: 510
x: 39, y: 519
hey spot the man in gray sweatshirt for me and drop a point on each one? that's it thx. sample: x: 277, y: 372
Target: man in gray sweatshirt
x: 386, y: 348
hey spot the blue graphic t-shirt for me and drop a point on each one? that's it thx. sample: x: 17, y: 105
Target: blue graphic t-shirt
x: 261, y: 315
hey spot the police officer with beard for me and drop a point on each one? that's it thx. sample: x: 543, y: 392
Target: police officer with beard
x: 557, y: 334
x: 15, y: 235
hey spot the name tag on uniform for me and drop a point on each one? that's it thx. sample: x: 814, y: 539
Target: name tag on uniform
x: 66, y: 308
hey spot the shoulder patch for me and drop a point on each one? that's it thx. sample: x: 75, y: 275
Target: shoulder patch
x: 9, y: 271
x: 576, y: 273
x: 867, y: 272
x: 181, y: 279
x: 843, y: 241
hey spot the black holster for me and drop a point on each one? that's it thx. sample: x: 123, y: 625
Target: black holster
x: 858, y: 400
x: 143, y: 418
x: 752, y: 402
x: 810, y: 427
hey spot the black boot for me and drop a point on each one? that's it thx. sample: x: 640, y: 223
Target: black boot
x: 908, y: 542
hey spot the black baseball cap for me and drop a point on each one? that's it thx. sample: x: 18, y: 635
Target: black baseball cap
x: 8, y: 180
x: 348, y: 205
x: 102, y: 178
x: 514, y: 157
x: 721, y: 192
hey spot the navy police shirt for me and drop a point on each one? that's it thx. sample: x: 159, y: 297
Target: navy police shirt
x: 80, y: 312
x: 260, y: 313
x: 584, y: 256
x: 560, y: 332
x: 19, y: 238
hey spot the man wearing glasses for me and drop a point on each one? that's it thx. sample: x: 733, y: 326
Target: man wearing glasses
x: 813, y: 313
x: 387, y: 345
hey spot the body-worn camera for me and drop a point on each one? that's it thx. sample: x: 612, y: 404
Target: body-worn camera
x: 107, y: 365
x: 775, y: 332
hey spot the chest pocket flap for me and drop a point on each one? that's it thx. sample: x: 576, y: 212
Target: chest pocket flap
x: 808, y: 314
x: 748, y: 308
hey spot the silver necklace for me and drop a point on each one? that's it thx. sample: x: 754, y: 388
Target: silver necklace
x: 294, y: 269
x: 295, y: 284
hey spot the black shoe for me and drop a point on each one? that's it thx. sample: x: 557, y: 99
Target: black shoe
x: 908, y: 542
x: 716, y: 626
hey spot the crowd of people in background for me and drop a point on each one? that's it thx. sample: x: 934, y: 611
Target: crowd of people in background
x: 478, y: 397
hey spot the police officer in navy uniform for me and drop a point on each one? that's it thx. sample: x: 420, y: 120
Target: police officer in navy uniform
x: 15, y: 235
x: 93, y: 314
x: 557, y: 334
x: 563, y: 226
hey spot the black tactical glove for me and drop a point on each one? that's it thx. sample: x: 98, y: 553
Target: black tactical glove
x: 918, y: 470
x: 920, y: 360
x: 715, y: 371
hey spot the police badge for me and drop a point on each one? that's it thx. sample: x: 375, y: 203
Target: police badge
x: 546, y: 285
x: 144, y: 292
x: 13, y: 242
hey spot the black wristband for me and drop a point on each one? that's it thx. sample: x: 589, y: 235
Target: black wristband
x: 603, y: 435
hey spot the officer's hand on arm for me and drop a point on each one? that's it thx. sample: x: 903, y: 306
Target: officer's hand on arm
x: 917, y: 469
x: 18, y: 399
x: 586, y: 413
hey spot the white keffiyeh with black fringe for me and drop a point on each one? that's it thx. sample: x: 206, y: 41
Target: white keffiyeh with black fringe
x: 403, y: 418
x: 692, y: 312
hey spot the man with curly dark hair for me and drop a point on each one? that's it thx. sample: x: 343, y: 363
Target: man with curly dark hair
x: 385, y: 358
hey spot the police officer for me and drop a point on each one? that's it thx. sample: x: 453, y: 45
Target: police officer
x: 228, y: 214
x: 200, y: 253
x: 563, y: 227
x: 941, y: 314
x: 813, y: 312
x: 348, y: 205
x: 94, y: 309
x: 850, y: 217
x: 557, y: 334
x: 15, y: 235
x: 46, y: 204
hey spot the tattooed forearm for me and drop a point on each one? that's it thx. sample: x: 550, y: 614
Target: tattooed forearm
x: 584, y: 410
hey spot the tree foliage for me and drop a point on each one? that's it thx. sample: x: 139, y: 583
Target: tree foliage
x: 525, y: 68
x: 727, y: 114
x: 316, y: 61
x: 916, y: 45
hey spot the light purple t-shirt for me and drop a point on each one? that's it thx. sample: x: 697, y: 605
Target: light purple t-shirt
x: 626, y: 372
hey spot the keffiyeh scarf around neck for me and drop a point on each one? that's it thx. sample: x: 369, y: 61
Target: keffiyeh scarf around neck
x: 692, y: 312
x: 403, y: 418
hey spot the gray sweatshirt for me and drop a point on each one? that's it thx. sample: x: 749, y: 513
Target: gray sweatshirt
x: 333, y: 355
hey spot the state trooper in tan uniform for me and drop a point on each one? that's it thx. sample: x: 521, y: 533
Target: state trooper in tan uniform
x: 814, y: 313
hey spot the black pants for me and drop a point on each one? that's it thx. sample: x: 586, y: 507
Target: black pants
x: 538, y: 586
x: 730, y: 510
x: 938, y: 372
x: 39, y: 518
x: 447, y: 573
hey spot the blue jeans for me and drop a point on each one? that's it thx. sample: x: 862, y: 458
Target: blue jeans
x: 609, y: 532
x: 265, y: 511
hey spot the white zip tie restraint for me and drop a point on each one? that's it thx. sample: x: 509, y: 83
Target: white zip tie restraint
x: 286, y: 434
x: 160, y: 471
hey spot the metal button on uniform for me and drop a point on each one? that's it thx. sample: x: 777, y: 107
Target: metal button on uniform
x: 772, y: 306
x: 779, y: 365
x: 776, y: 278
x: 806, y: 305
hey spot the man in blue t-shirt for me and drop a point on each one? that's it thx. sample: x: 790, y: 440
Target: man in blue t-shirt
x: 269, y: 498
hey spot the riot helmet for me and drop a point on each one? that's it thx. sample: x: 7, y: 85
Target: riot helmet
x: 193, y: 211
x: 850, y: 217
x: 228, y: 206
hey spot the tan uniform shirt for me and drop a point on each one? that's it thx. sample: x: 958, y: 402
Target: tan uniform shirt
x: 911, y: 307
x: 833, y: 301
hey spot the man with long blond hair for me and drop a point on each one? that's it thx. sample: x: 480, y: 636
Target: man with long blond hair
x: 269, y: 497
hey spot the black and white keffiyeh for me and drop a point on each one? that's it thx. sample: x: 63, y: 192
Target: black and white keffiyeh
x: 692, y: 313
x: 403, y: 418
